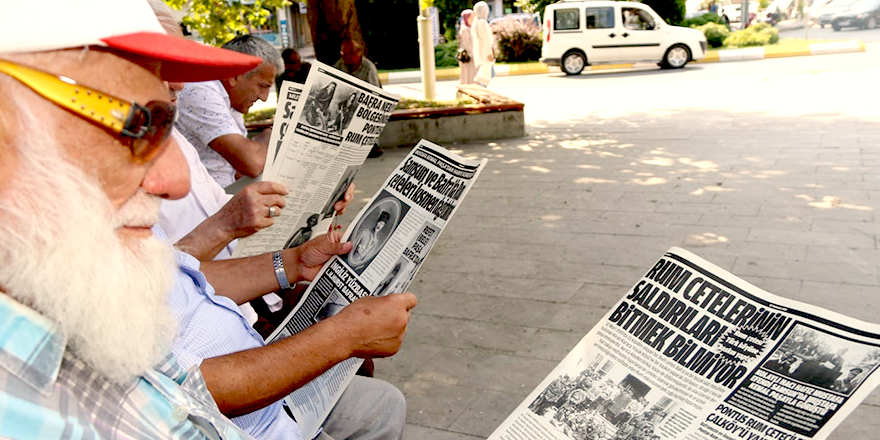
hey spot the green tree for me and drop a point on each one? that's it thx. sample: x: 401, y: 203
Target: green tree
x: 670, y: 10
x: 450, y: 11
x: 534, y: 5
x: 218, y: 21
x: 390, y: 32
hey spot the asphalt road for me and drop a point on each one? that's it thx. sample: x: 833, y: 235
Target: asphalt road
x: 840, y: 83
x: 817, y: 33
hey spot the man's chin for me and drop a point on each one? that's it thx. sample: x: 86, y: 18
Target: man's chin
x: 134, y: 233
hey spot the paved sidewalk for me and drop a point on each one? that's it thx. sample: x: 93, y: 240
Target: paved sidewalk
x: 565, y: 220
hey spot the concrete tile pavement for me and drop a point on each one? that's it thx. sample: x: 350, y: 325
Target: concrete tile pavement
x: 564, y: 220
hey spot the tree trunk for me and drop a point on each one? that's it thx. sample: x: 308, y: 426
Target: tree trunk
x: 332, y: 21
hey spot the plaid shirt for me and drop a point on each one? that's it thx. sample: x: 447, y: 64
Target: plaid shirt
x: 47, y: 393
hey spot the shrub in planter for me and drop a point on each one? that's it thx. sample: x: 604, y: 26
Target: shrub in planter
x: 760, y: 34
x: 517, y: 41
x: 715, y: 33
x: 444, y: 54
x: 701, y: 20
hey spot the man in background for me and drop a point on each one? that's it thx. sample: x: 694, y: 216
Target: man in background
x: 211, y: 114
x: 354, y: 63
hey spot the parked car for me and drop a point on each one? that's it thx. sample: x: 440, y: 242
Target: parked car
x: 580, y: 33
x: 828, y: 11
x: 862, y: 14
x: 812, y: 12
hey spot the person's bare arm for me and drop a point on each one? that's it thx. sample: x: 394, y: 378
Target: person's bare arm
x: 245, y: 279
x: 243, y: 215
x: 246, y: 381
x: 247, y: 156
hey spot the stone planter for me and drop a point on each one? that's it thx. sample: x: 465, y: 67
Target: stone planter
x: 493, y: 117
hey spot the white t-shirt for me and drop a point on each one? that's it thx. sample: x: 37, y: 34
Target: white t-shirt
x: 205, y: 198
x: 206, y: 113
x: 179, y: 217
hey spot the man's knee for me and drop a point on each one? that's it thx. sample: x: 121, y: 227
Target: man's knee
x: 368, y: 409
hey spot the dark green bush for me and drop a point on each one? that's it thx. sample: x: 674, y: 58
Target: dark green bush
x: 701, y: 20
x: 760, y: 34
x: 444, y: 54
x: 672, y: 11
x: 517, y: 41
x: 715, y: 33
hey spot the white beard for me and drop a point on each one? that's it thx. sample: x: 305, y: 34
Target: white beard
x: 60, y: 255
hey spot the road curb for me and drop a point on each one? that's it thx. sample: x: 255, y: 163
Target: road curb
x: 749, y: 53
x: 796, y: 50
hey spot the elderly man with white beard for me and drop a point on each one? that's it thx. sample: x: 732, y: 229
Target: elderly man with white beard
x: 84, y: 161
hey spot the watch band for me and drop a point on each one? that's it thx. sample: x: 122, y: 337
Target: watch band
x: 280, y: 273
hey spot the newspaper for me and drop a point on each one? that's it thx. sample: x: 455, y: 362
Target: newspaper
x: 288, y: 97
x: 390, y: 239
x: 693, y: 352
x: 315, y: 150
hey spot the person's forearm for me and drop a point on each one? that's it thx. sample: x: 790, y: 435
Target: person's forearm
x: 253, y: 160
x: 246, y: 381
x: 245, y: 279
x: 246, y: 156
x: 205, y: 241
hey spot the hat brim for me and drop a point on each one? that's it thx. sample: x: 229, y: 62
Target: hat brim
x: 184, y: 60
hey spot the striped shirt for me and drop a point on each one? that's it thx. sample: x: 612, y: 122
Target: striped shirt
x: 212, y: 326
x: 48, y: 393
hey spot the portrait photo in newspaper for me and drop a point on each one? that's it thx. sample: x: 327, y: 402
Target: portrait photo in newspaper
x: 339, y: 192
x: 331, y: 106
x: 387, y: 285
x: 303, y: 233
x: 373, y: 229
x: 603, y: 400
x: 334, y: 304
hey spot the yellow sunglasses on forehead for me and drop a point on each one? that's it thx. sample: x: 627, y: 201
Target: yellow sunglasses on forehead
x: 145, y: 126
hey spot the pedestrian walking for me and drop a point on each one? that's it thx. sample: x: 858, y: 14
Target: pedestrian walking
x: 466, y: 66
x: 484, y: 44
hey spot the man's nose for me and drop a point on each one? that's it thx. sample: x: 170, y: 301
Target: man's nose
x: 168, y: 175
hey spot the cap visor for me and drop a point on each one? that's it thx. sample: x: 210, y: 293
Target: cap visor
x: 184, y: 60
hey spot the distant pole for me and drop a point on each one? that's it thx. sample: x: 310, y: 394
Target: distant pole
x: 806, y: 19
x: 426, y: 53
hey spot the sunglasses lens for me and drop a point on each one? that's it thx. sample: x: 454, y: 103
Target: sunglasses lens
x: 157, y: 117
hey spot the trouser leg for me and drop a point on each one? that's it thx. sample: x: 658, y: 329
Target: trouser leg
x: 369, y: 409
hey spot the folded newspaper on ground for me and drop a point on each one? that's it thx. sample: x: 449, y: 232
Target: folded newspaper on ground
x: 322, y: 133
x: 693, y: 352
x: 390, y: 239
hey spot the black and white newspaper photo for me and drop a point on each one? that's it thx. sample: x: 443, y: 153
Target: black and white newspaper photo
x: 319, y: 148
x: 391, y: 237
x: 693, y: 352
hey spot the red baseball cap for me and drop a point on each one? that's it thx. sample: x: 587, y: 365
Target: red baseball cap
x: 127, y: 26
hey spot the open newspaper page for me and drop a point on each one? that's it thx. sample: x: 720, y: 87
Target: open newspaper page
x: 288, y: 100
x: 288, y: 97
x: 692, y: 352
x: 322, y: 146
x: 390, y: 239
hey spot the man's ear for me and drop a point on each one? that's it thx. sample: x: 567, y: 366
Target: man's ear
x: 229, y: 83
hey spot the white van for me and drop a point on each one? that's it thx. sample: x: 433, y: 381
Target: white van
x: 579, y: 33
